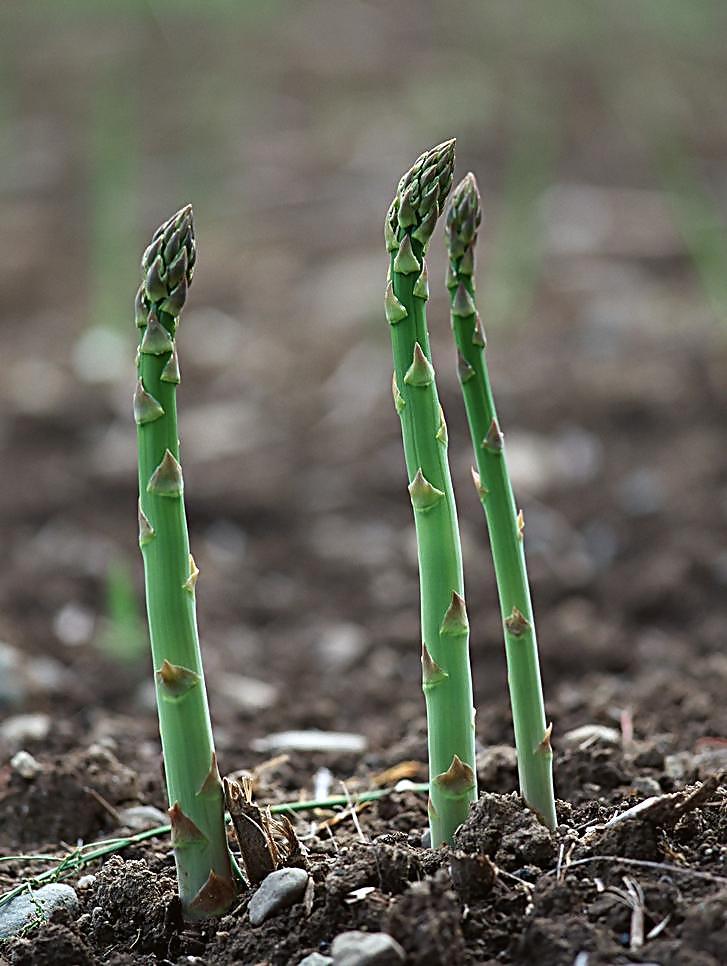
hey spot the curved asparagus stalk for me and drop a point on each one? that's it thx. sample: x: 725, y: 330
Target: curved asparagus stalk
x: 447, y: 681
x: 505, y: 524
x: 206, y: 885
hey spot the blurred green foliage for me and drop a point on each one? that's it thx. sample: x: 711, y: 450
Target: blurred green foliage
x: 124, y: 635
x: 184, y: 93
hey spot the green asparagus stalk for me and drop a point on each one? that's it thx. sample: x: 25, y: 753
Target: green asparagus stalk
x: 446, y: 676
x: 206, y: 885
x: 505, y: 524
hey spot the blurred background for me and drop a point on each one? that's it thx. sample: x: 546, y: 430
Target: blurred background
x: 599, y: 137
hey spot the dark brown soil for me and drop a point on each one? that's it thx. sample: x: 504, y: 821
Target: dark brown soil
x: 611, y: 380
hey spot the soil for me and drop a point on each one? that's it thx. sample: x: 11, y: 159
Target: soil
x: 611, y: 385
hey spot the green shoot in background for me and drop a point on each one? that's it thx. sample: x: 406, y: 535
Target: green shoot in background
x: 505, y: 524
x: 124, y: 636
x: 206, y: 885
x: 446, y: 675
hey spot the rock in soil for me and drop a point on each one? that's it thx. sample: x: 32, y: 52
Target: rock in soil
x: 366, y: 949
x: 140, y: 817
x: 279, y: 890
x: 315, y: 959
x: 27, y: 908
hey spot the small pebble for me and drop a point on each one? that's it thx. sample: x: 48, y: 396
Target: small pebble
x: 41, y: 903
x: 366, y: 949
x: 20, y: 728
x: 73, y: 624
x: 315, y: 959
x: 25, y: 765
x: 277, y: 891
x: 248, y: 694
x: 646, y: 786
x: 340, y: 645
x: 140, y: 817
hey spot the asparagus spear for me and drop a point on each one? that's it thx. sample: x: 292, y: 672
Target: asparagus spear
x: 447, y: 681
x: 206, y: 885
x: 505, y: 524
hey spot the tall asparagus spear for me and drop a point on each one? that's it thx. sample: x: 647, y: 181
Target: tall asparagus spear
x: 505, y: 524
x: 206, y: 885
x: 447, y: 681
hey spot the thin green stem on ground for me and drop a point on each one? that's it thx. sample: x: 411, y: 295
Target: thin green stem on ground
x: 206, y: 883
x: 505, y: 524
x: 80, y: 857
x: 447, y: 680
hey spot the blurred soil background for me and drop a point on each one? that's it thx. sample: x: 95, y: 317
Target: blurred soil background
x: 599, y: 137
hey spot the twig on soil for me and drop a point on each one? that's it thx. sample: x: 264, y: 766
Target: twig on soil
x: 354, y: 814
x: 106, y: 806
x: 644, y: 864
x: 632, y: 897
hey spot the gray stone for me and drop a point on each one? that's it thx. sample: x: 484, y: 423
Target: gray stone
x: 340, y: 645
x: 140, y: 817
x: 25, y: 765
x: 315, y: 959
x: 366, y: 949
x: 249, y: 694
x: 277, y: 891
x: 29, y: 907
x: 19, y: 728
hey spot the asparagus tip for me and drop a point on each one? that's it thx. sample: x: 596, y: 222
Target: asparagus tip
x: 464, y: 215
x: 420, y: 196
x: 168, y: 263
